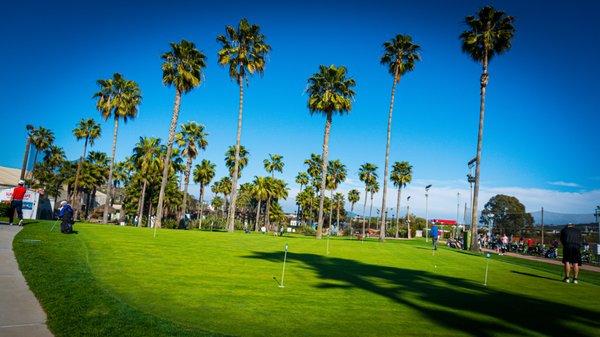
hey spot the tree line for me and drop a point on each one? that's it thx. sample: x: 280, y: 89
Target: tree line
x: 150, y: 174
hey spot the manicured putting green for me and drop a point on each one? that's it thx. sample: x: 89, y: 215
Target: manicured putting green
x: 119, y: 281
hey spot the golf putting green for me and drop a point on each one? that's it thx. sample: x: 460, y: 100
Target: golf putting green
x: 117, y: 281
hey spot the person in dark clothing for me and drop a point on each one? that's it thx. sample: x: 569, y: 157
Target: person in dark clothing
x: 16, y: 203
x: 66, y: 215
x: 570, y: 238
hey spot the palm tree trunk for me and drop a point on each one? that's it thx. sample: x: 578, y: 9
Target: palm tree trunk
x: 268, y: 214
x: 201, y: 206
x: 238, y: 137
x: 141, y: 210
x: 323, y: 173
x: 337, y: 218
x: 167, y: 160
x: 257, y: 216
x: 398, y: 211
x: 25, y: 157
x: 110, y: 172
x: 387, y: 160
x: 364, y: 213
x: 331, y: 210
x: 34, y: 162
x: 370, y: 210
x: 186, y: 182
x: 150, y: 215
x: 75, y: 197
x: 484, y: 81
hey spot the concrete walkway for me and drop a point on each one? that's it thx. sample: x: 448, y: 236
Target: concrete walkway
x: 20, y: 312
x: 541, y: 259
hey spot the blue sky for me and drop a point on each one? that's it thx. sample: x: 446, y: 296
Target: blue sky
x: 540, y: 138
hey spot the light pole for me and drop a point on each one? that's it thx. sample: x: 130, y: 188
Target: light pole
x: 597, y: 214
x: 471, y: 180
x: 457, y: 213
x: 408, y: 234
x: 427, y: 212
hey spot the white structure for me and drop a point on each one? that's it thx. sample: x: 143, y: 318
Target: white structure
x: 30, y: 202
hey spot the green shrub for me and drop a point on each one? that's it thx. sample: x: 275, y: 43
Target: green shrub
x: 4, y: 209
x: 306, y: 230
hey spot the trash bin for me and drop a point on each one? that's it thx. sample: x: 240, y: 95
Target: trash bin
x: 467, y: 240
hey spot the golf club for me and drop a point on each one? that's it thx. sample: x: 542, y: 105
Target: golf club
x: 54, y: 224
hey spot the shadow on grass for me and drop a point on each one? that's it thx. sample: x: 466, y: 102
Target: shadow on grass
x: 533, y: 275
x: 453, y: 303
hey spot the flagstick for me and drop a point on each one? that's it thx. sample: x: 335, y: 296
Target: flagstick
x: 487, y: 264
x: 283, y: 270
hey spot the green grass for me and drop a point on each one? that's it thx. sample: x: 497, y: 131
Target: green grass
x: 120, y: 281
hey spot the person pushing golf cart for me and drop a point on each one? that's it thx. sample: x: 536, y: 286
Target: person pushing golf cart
x: 65, y: 214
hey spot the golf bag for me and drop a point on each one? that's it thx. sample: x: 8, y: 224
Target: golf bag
x: 551, y: 253
x: 66, y: 225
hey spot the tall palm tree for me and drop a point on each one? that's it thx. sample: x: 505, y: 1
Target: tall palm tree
x: 272, y: 164
x: 277, y: 189
x: 260, y: 191
x: 335, y: 176
x: 89, y: 130
x: 329, y: 91
x: 367, y: 173
x: 489, y: 33
x: 373, y: 188
x: 242, y: 160
x: 302, y: 179
x: 338, y: 199
x: 41, y: 138
x: 203, y: 175
x: 182, y: 68
x: 314, y: 164
x: 401, y: 175
x: 146, y: 156
x: 400, y: 55
x: 243, y: 51
x: 222, y: 186
x: 353, y: 198
x: 191, y: 139
x: 118, y: 98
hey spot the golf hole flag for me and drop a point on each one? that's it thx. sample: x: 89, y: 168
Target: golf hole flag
x: 30, y: 201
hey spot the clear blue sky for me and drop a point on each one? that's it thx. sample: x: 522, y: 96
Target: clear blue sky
x: 542, y: 112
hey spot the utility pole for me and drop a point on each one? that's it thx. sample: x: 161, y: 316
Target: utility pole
x: 542, y: 226
x: 427, y: 212
x: 408, y: 234
x: 457, y: 213
x: 597, y: 214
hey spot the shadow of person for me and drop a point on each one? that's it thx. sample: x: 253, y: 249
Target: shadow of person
x: 455, y: 303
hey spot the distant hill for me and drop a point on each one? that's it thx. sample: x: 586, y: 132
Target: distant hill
x: 552, y: 218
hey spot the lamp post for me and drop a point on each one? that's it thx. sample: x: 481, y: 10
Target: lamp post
x: 457, y: 214
x: 471, y: 180
x: 597, y: 214
x: 408, y: 234
x: 427, y: 212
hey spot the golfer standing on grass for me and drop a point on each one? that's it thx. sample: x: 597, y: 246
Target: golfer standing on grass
x: 570, y: 237
x: 16, y: 203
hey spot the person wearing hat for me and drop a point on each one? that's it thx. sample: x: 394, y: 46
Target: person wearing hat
x: 66, y: 215
x: 16, y: 203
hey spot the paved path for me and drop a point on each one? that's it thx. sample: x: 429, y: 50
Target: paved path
x: 541, y: 259
x: 20, y: 312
